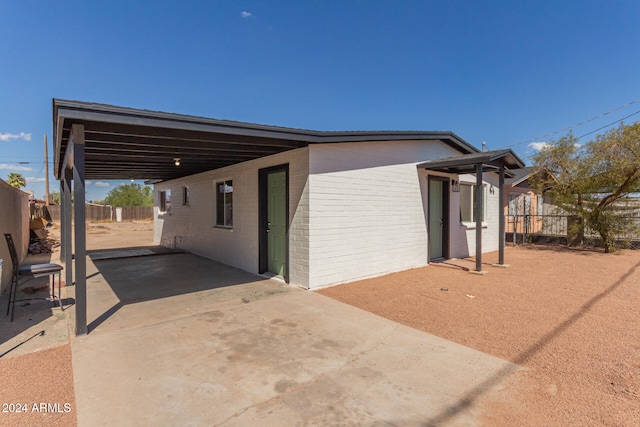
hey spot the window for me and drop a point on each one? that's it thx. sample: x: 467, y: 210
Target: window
x: 514, y: 202
x: 540, y: 203
x: 165, y: 201
x: 224, y: 203
x: 468, y: 203
x: 185, y: 195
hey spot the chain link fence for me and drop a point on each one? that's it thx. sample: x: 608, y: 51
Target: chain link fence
x: 523, y: 229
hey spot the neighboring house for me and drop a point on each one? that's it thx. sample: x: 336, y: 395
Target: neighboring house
x: 524, y: 205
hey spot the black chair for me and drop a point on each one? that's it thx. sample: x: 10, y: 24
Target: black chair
x: 30, y: 272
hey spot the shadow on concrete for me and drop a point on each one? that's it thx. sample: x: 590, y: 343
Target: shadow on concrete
x: 23, y: 342
x: 166, y: 274
x: 472, y: 395
x: 26, y: 313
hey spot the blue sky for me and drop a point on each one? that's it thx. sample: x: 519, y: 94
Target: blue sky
x: 504, y: 72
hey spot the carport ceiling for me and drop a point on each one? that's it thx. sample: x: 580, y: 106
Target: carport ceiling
x: 126, y: 143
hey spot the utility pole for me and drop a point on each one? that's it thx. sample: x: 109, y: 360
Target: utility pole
x: 46, y: 171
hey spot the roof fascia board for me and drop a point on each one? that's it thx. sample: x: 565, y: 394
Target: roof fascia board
x: 495, y: 158
x: 160, y: 122
x: 77, y: 110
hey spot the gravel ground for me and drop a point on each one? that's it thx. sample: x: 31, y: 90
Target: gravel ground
x: 570, y: 317
x: 33, y: 379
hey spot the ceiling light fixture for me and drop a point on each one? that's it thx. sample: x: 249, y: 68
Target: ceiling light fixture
x: 176, y: 160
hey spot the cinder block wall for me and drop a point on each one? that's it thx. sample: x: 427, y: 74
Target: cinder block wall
x: 14, y: 219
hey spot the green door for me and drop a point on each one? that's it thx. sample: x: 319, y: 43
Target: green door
x: 276, y: 222
x: 436, y: 219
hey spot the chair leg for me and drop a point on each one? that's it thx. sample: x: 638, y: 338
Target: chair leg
x: 13, y: 299
x: 52, y: 281
x: 60, y: 291
x: 12, y: 291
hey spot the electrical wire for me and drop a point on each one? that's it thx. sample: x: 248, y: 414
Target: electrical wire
x: 610, y: 124
x: 580, y: 124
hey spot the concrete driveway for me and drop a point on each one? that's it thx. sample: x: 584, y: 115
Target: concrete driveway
x: 181, y: 340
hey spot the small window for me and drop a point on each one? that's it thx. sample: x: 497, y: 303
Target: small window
x: 540, y: 203
x: 185, y: 195
x: 224, y: 204
x: 468, y: 203
x: 513, y: 204
x: 165, y: 201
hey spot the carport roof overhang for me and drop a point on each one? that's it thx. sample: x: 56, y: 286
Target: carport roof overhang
x: 490, y: 161
x: 478, y: 163
x: 127, y: 143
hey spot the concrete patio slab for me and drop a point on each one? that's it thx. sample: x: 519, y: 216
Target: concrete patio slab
x: 194, y: 342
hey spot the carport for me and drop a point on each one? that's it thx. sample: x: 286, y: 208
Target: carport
x: 93, y: 141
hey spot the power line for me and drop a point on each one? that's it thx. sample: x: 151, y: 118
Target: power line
x: 610, y: 124
x: 537, y: 138
x: 594, y: 131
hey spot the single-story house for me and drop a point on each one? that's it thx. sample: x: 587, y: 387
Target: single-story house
x: 315, y: 208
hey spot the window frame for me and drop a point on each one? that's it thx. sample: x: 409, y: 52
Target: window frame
x: 471, y: 203
x: 165, y: 201
x: 186, y: 194
x: 224, y: 218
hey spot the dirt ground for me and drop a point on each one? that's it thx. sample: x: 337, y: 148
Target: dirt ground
x: 570, y: 317
x: 33, y: 379
x: 111, y: 235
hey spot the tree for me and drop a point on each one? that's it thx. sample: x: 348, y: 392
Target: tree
x: 54, y: 197
x: 16, y: 180
x: 593, y: 180
x: 130, y: 195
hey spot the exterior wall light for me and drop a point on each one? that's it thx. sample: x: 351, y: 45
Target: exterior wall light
x: 455, y: 186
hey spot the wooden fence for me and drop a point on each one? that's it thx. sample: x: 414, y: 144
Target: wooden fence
x: 105, y: 213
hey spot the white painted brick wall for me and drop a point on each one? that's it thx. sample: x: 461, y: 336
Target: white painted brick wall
x: 193, y: 228
x: 463, y: 237
x: 357, y: 210
x: 366, y: 212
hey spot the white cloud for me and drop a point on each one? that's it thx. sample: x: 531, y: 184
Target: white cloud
x: 31, y: 179
x: 10, y: 136
x: 539, y: 146
x: 15, y: 167
x: 245, y: 14
x: 101, y: 184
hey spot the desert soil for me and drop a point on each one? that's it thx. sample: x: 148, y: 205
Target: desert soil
x: 570, y: 317
x: 32, y: 379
